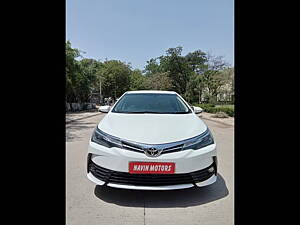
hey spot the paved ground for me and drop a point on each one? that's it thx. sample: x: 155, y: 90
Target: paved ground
x: 209, y: 116
x: 88, y: 204
x: 70, y: 117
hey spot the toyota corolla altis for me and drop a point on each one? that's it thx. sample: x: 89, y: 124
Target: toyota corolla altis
x: 152, y: 140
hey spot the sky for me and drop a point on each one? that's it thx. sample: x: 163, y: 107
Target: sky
x: 137, y: 30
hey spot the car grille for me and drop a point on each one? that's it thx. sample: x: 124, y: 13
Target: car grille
x: 166, y: 148
x: 110, y: 176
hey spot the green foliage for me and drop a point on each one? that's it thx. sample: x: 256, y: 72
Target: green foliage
x: 177, y: 67
x: 211, y: 108
x: 137, y: 80
x: 73, y: 74
x: 198, y: 76
x: 83, y: 76
x: 116, y: 78
x: 196, y: 61
x: 152, y: 67
x: 208, y: 107
x: 228, y: 106
x: 159, y: 81
x: 228, y: 110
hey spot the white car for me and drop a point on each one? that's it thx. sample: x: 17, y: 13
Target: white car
x: 152, y: 140
x: 104, y: 108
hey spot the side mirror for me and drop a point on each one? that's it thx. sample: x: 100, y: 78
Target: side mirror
x: 104, y: 109
x: 197, y: 110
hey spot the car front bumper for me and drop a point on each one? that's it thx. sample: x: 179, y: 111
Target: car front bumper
x: 109, y: 166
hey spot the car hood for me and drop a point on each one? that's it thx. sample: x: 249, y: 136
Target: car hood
x: 152, y: 128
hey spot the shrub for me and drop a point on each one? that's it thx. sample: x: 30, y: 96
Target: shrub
x: 228, y: 110
x: 205, y: 107
x: 211, y: 108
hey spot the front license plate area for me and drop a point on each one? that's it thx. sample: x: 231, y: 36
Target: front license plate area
x: 152, y: 167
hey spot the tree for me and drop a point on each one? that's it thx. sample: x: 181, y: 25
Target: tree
x: 195, y: 88
x: 116, y: 78
x: 159, y: 81
x: 195, y: 75
x: 177, y: 68
x: 72, y: 72
x: 212, y: 77
x: 87, y: 79
x: 152, y: 67
x: 80, y: 75
x: 137, y: 80
x: 196, y: 61
x: 227, y: 89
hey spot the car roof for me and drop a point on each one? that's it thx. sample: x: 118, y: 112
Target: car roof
x: 150, y: 92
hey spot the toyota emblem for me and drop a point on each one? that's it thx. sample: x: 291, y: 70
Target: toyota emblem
x: 152, y: 152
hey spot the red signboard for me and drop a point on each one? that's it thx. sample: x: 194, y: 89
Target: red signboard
x: 152, y: 167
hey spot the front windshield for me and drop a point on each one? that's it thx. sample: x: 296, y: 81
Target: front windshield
x: 151, y: 103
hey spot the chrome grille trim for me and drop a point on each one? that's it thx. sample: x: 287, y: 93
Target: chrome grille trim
x: 129, y: 147
x: 139, y: 147
x: 174, y: 149
x: 166, y: 148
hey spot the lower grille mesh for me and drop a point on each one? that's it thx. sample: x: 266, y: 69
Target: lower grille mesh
x: 110, y: 176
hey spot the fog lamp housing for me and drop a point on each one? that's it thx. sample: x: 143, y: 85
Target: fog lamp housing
x: 211, y: 169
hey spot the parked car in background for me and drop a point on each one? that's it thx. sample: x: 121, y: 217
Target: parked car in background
x: 152, y: 140
x: 104, y: 108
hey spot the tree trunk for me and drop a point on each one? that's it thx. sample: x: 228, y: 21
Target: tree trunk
x: 200, y: 94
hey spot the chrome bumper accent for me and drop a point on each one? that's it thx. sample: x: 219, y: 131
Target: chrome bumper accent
x: 207, y: 182
x: 153, y: 188
x: 94, y: 179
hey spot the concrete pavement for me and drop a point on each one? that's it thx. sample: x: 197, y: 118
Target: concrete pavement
x: 71, y: 117
x: 88, y: 204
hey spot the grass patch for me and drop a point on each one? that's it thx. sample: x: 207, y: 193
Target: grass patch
x: 227, y: 106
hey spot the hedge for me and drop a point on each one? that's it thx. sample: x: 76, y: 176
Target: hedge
x: 210, y: 108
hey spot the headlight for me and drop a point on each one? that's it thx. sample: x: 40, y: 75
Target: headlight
x: 104, y: 139
x: 200, y: 141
